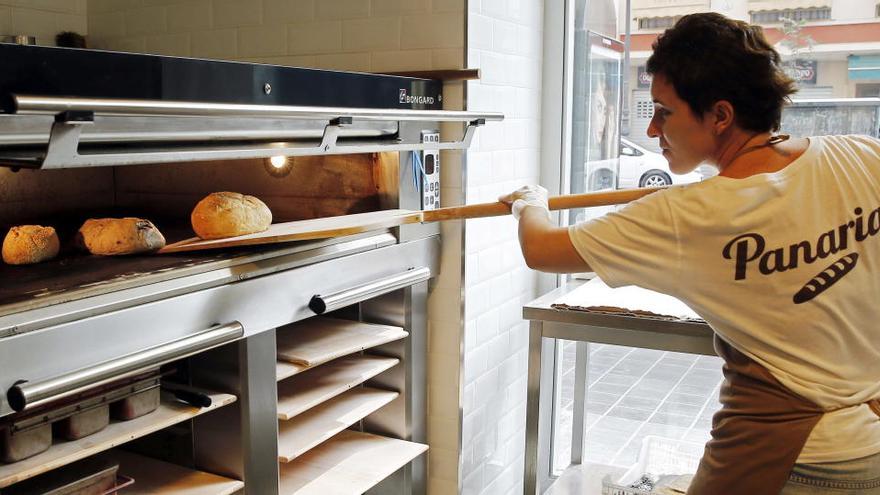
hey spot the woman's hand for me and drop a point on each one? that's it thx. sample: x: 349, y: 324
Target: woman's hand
x: 535, y: 196
x: 545, y: 247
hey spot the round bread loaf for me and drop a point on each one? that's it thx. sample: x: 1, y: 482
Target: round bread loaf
x: 28, y: 244
x: 228, y: 214
x: 116, y: 236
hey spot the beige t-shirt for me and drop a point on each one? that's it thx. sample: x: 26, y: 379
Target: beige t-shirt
x: 784, y: 266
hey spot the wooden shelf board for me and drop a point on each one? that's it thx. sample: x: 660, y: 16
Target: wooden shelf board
x: 285, y: 370
x: 318, y: 340
x: 169, y: 412
x: 299, y: 435
x: 348, y: 464
x: 153, y: 476
x: 327, y: 381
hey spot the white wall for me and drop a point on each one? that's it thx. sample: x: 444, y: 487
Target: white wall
x: 42, y: 19
x: 505, y: 41
x: 362, y: 35
x: 853, y: 10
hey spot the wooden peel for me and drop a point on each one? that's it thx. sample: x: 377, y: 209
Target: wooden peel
x: 322, y: 228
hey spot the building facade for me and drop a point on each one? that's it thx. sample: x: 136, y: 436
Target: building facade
x: 831, y: 47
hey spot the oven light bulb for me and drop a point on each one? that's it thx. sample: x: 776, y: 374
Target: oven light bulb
x: 278, y: 162
x: 278, y: 166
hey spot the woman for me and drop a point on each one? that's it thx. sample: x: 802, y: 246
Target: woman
x: 780, y: 254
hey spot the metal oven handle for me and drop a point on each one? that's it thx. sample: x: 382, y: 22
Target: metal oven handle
x: 25, y: 394
x: 330, y: 302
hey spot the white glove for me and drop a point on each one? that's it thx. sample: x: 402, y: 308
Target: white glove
x: 526, y: 196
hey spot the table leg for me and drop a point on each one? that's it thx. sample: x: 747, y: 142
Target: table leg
x: 537, y: 453
x: 579, y: 412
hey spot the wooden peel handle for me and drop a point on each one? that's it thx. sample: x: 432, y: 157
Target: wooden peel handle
x: 601, y: 198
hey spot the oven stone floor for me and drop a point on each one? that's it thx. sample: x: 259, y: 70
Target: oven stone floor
x: 632, y: 393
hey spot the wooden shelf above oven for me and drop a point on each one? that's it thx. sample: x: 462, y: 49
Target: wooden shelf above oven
x: 170, y: 412
x: 318, y: 340
x: 350, y: 463
x: 153, y: 476
x: 327, y: 381
x: 302, y: 433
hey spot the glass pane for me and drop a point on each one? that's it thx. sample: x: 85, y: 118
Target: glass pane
x: 598, y: 70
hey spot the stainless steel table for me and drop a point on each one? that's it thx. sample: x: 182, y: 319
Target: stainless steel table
x: 547, y: 324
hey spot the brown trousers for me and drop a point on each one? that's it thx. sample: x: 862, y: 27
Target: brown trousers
x: 757, y: 435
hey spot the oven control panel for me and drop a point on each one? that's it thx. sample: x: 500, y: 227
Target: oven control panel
x: 430, y: 173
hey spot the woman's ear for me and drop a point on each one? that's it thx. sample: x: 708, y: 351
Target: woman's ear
x: 722, y: 115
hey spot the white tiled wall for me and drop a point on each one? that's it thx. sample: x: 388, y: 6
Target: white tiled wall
x: 505, y: 41
x: 43, y: 18
x: 363, y: 35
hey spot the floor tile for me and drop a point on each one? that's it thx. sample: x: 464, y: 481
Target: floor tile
x: 629, y: 413
x: 640, y: 402
x: 671, y: 419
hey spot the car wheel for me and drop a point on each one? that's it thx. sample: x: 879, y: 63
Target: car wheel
x: 601, y: 179
x: 655, y: 178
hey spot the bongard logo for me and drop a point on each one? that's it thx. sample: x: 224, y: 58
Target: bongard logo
x: 417, y: 99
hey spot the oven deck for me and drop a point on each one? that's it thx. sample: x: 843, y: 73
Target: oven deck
x: 79, y: 275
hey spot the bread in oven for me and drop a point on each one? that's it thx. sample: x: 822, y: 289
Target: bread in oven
x: 118, y: 236
x: 228, y: 214
x: 27, y: 244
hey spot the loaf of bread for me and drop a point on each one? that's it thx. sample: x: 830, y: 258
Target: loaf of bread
x: 228, y: 214
x: 28, y: 244
x: 117, y: 236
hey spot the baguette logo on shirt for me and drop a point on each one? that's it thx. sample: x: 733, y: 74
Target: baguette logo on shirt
x: 750, y: 248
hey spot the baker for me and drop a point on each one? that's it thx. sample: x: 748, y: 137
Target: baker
x: 801, y: 341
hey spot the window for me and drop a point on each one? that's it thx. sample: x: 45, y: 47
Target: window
x: 776, y: 16
x: 870, y: 90
x: 658, y: 22
x: 629, y: 151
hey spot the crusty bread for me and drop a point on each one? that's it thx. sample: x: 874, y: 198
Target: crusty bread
x: 228, y: 214
x: 115, y: 236
x: 28, y: 244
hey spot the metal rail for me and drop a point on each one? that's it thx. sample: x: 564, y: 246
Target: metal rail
x: 331, y: 302
x: 29, y: 104
x: 25, y: 395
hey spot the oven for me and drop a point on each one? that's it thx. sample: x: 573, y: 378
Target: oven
x: 288, y: 368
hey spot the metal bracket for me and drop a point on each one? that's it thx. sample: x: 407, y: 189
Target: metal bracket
x: 331, y: 132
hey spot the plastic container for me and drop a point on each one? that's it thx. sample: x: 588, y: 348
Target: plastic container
x: 659, y: 456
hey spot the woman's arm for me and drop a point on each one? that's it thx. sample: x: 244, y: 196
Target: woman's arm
x: 546, y: 247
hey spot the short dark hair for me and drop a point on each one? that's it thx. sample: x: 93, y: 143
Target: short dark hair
x: 708, y: 57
